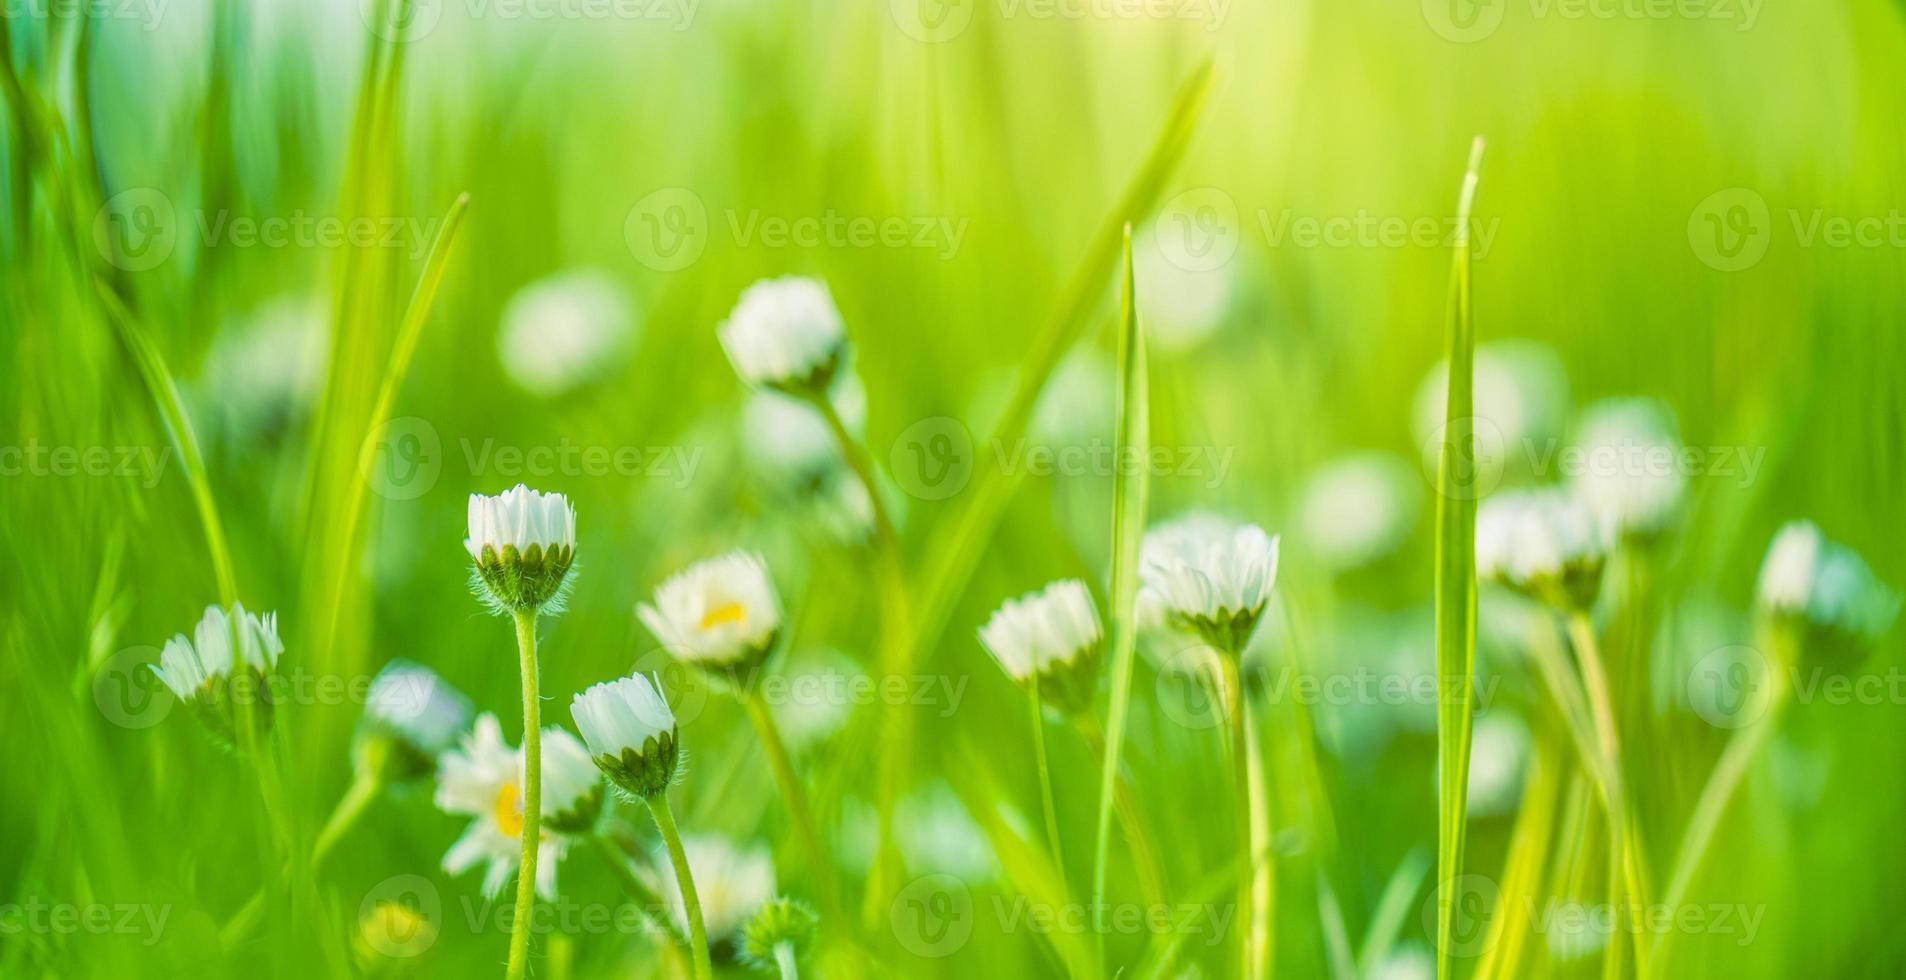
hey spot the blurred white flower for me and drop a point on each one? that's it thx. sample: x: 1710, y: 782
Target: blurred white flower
x: 720, y: 613
x: 1358, y: 508
x: 1209, y: 575
x: 630, y: 731
x: 219, y: 643
x: 1053, y: 633
x: 785, y: 333
x: 523, y: 542
x: 412, y: 704
x: 1542, y: 543
x: 1077, y: 404
x: 1499, y: 751
x: 1631, y: 474
x: 269, y: 368
x: 789, y: 441
x: 1521, y: 391
x: 483, y: 779
x: 731, y: 881
x: 564, y: 330
x: 1407, y: 962
x: 1826, y: 584
x: 1182, y: 307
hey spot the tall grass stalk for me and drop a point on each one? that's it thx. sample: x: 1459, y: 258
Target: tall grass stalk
x: 1456, y: 576
x: 1133, y: 440
x: 1614, y: 793
x: 820, y: 862
x: 532, y: 794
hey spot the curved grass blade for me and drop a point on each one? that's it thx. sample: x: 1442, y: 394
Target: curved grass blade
x: 1456, y: 489
x: 164, y: 390
x: 1128, y: 525
x: 957, y: 549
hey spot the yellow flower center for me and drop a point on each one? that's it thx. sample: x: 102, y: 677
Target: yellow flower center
x: 732, y: 612
x: 508, y: 810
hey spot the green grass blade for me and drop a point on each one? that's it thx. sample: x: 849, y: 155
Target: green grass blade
x: 1128, y: 526
x: 1456, y: 489
x: 164, y: 390
x: 957, y: 549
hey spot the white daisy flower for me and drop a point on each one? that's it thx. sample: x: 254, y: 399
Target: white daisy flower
x: 1358, y: 508
x: 563, y: 331
x: 1826, y: 586
x: 785, y: 333
x: 483, y: 778
x: 789, y: 442
x: 1542, y: 543
x: 416, y: 712
x: 732, y: 882
x: 1053, y: 633
x: 719, y: 614
x: 1631, y: 473
x: 224, y: 646
x: 1209, y: 575
x: 630, y: 731
x: 523, y: 542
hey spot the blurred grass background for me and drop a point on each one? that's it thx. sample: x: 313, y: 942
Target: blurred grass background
x: 1606, y: 137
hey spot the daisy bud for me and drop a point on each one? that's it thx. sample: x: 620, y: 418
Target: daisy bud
x: 1541, y: 543
x: 785, y: 334
x: 631, y: 733
x: 719, y: 615
x: 1825, y: 590
x: 523, y: 542
x: 223, y: 672
x: 1632, y: 481
x: 783, y: 929
x: 1209, y: 576
x: 411, y: 717
x: 732, y: 882
x: 1052, y: 634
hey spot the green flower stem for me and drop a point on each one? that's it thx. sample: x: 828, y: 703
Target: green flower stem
x: 691, y: 904
x: 784, y: 961
x: 1263, y: 881
x: 363, y: 791
x: 1131, y: 819
x: 805, y: 826
x: 896, y: 660
x: 1046, y: 802
x: 532, y: 795
x: 1729, y: 772
x: 1601, y: 707
x: 1233, y: 699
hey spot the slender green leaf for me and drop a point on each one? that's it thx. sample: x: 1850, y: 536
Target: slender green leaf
x: 1456, y: 490
x: 1128, y: 526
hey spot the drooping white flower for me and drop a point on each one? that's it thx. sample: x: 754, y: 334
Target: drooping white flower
x: 719, y: 614
x: 523, y: 542
x: 1210, y: 575
x: 1358, y: 508
x: 1631, y: 474
x: 1826, y: 585
x: 224, y: 646
x: 1542, y: 543
x: 1052, y: 633
x: 483, y: 779
x: 630, y: 731
x: 564, y: 330
x: 412, y: 710
x: 731, y: 881
x: 785, y: 333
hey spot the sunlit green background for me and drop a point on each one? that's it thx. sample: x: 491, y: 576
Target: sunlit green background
x: 1019, y: 126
